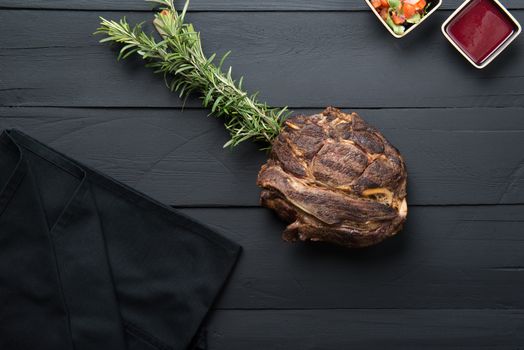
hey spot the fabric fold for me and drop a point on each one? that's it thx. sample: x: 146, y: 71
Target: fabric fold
x: 31, y: 302
x: 85, y: 276
x: 120, y: 270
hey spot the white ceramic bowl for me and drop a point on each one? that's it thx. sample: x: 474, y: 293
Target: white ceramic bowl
x: 495, y: 53
x: 436, y: 5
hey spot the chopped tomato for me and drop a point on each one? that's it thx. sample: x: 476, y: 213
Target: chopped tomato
x: 421, y: 5
x: 402, y: 12
x: 409, y: 10
x: 397, y: 19
x: 384, y: 13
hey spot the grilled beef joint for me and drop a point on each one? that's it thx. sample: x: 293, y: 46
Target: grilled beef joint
x: 336, y: 179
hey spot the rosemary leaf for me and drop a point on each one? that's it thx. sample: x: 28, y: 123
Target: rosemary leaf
x: 180, y: 58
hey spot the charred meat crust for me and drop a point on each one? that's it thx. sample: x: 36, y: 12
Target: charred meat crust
x: 336, y: 179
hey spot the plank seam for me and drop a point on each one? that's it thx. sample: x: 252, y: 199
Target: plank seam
x: 198, y: 108
x: 25, y: 8
x: 370, y: 309
x: 219, y: 206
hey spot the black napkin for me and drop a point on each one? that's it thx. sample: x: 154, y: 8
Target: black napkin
x: 89, y: 263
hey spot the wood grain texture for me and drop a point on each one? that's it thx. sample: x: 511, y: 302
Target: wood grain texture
x: 367, y: 330
x: 347, y: 60
x: 446, y: 258
x: 453, y: 279
x: 217, y: 5
x: 454, y: 156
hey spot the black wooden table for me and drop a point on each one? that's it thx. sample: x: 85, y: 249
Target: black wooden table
x: 453, y: 279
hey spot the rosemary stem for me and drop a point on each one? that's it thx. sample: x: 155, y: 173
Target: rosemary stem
x: 180, y: 58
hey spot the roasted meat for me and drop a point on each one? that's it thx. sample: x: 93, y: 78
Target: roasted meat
x: 336, y: 179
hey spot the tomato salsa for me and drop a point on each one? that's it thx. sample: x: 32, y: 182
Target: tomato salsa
x: 401, y: 14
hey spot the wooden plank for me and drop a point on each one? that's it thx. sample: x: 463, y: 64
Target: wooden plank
x: 454, y: 156
x: 366, y: 329
x: 217, y: 5
x: 348, y: 59
x: 446, y: 258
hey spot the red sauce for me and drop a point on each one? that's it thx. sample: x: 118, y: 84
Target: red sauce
x: 480, y: 28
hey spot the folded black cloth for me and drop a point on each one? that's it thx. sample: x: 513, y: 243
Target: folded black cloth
x: 88, y: 263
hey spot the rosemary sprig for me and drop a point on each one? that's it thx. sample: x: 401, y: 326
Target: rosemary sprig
x: 180, y: 58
